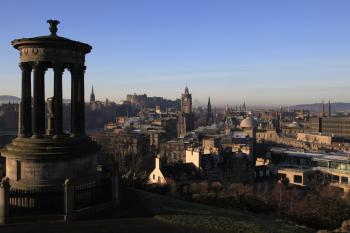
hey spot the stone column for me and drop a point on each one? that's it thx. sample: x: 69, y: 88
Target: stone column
x: 39, y: 100
x: 74, y: 101
x: 58, y: 70
x: 77, y: 100
x: 68, y: 200
x: 25, y: 126
x: 81, y: 100
x: 4, y: 200
x: 50, y: 116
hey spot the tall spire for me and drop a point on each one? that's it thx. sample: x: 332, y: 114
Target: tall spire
x: 186, y: 90
x: 92, y: 95
x: 323, y: 109
x: 209, y: 113
x: 329, y: 109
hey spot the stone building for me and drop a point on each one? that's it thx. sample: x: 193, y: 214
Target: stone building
x: 144, y: 101
x: 249, y: 125
x: 130, y: 150
x: 234, y: 166
x: 237, y: 166
x: 172, y: 151
x: 292, y: 129
x: 180, y: 174
x: 299, y: 167
x: 186, y: 117
x: 333, y: 126
x: 272, y: 137
x: 9, y: 117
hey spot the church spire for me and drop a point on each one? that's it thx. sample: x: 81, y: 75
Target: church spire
x: 323, y: 109
x: 209, y: 113
x: 92, y: 95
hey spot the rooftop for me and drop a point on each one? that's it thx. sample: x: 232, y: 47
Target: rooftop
x: 341, y: 157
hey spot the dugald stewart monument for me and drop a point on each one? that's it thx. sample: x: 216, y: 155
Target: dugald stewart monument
x: 175, y: 116
x: 43, y: 163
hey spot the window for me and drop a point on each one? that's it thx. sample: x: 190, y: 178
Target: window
x: 344, y: 180
x: 18, y: 169
x: 319, y: 163
x: 344, y: 166
x: 261, y: 173
x: 154, y: 176
x: 298, y: 179
x: 335, y: 179
x: 159, y: 180
x: 281, y: 176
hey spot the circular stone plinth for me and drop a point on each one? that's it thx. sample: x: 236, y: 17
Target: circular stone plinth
x: 50, y: 148
x: 37, y: 163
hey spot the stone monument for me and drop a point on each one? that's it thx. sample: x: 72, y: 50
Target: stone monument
x: 40, y: 159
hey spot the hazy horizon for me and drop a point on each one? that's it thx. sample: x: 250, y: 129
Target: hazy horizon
x: 262, y: 52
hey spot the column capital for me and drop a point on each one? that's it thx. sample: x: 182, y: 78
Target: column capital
x: 25, y: 66
x: 38, y: 65
x: 77, y: 68
x: 58, y: 66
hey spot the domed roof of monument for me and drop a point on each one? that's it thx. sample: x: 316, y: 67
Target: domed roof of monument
x: 52, y: 40
x: 248, y: 122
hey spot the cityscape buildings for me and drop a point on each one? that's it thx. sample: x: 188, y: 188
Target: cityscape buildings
x: 157, y: 160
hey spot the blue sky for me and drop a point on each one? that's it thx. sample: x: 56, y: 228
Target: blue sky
x: 264, y: 52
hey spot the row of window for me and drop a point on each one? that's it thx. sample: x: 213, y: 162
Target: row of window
x: 343, y: 179
x: 298, y: 179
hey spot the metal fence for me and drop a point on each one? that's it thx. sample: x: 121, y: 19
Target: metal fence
x: 92, y: 194
x: 47, y: 201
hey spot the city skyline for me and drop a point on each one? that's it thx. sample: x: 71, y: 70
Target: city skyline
x: 175, y: 116
x: 266, y: 53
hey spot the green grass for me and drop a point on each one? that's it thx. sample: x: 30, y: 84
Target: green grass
x: 174, y: 211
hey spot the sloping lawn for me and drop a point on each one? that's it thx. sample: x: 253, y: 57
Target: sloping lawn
x: 171, y: 210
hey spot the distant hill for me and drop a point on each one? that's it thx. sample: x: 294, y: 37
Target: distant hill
x: 317, y: 107
x: 9, y: 98
x: 4, y: 99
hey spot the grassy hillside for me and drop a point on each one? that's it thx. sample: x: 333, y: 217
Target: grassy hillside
x: 170, y: 210
x: 142, y: 212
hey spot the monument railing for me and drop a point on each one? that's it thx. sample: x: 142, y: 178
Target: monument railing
x: 35, y: 201
x: 92, y: 194
x: 67, y: 200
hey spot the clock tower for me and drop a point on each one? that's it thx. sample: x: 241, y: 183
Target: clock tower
x: 185, y: 121
x: 186, y: 102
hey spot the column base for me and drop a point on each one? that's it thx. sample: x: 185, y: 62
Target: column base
x: 69, y: 217
x: 49, y: 132
x: 35, y: 136
x: 24, y: 135
x: 57, y: 136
